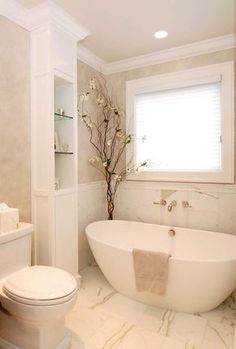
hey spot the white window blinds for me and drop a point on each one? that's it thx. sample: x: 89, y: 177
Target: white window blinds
x: 180, y: 129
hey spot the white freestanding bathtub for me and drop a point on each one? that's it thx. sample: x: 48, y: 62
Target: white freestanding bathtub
x: 202, y: 269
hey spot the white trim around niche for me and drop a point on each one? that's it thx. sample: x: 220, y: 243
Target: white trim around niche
x: 198, y: 48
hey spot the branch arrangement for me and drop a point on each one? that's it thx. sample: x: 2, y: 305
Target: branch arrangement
x: 107, y: 137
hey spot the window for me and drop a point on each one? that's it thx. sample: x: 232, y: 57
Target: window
x: 183, y: 125
x: 185, y: 132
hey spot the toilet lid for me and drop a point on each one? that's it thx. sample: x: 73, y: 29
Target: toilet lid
x: 40, y: 283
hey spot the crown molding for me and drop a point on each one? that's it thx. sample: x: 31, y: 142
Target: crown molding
x: 88, y: 57
x: 49, y: 13
x: 14, y: 11
x: 42, y: 15
x: 195, y: 49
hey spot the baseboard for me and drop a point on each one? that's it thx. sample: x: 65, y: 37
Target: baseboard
x: 6, y: 345
x: 65, y: 344
x: 79, y: 280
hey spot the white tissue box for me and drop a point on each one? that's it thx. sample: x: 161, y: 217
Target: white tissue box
x: 9, y: 219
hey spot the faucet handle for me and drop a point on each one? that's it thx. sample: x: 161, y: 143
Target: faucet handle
x: 174, y: 203
x: 162, y: 202
x: 186, y: 204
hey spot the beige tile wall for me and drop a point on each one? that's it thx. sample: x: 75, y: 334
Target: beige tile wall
x: 15, y: 117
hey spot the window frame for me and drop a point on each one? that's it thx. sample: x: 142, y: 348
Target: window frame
x: 184, y: 78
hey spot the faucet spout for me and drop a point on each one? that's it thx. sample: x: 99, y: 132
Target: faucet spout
x: 172, y: 204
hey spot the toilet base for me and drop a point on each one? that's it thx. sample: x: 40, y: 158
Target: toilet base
x: 18, y: 334
x: 65, y: 344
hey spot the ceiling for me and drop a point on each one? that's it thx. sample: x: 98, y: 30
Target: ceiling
x: 124, y: 28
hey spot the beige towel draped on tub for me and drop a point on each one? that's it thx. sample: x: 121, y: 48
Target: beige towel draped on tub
x: 151, y: 271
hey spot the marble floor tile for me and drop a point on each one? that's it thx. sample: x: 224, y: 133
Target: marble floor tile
x: 124, y: 307
x: 139, y: 338
x: 188, y: 328
x: 76, y: 343
x: 95, y: 327
x: 170, y: 343
x: 95, y: 289
x: 218, y: 336
x: 223, y: 314
x: 183, y: 327
x: 153, y: 318
x: 104, y: 319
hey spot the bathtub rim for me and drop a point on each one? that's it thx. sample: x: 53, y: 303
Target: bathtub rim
x: 163, y: 226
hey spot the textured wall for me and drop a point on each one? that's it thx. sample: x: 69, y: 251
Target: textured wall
x: 87, y: 173
x: 91, y: 203
x: 15, y: 117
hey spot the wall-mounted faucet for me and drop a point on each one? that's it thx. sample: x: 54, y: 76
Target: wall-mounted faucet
x: 172, y: 204
x: 162, y: 202
x: 186, y: 204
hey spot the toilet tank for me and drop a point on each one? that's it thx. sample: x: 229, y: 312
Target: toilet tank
x: 15, y: 249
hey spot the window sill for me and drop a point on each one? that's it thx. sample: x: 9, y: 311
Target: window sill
x: 185, y: 177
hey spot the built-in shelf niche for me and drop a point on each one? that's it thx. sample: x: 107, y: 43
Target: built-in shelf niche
x: 64, y: 126
x: 54, y: 86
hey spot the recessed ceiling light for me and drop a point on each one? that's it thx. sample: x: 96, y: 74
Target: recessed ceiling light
x: 161, y: 34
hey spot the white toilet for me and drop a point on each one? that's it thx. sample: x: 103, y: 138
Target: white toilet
x: 34, y: 299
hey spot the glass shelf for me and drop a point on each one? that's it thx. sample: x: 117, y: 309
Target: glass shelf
x: 62, y: 117
x: 64, y: 152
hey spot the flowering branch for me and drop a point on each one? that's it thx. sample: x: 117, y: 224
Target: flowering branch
x: 107, y: 138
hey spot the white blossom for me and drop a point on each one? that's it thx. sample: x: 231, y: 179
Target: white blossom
x: 128, y: 139
x: 109, y: 142
x: 120, y: 135
x: 117, y: 178
x: 94, y: 159
x: 84, y: 96
x: 100, y: 100
x: 92, y: 84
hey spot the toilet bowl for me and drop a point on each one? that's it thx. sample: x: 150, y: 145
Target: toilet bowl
x: 34, y: 302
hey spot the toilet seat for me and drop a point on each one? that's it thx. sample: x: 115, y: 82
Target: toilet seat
x: 40, y: 285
